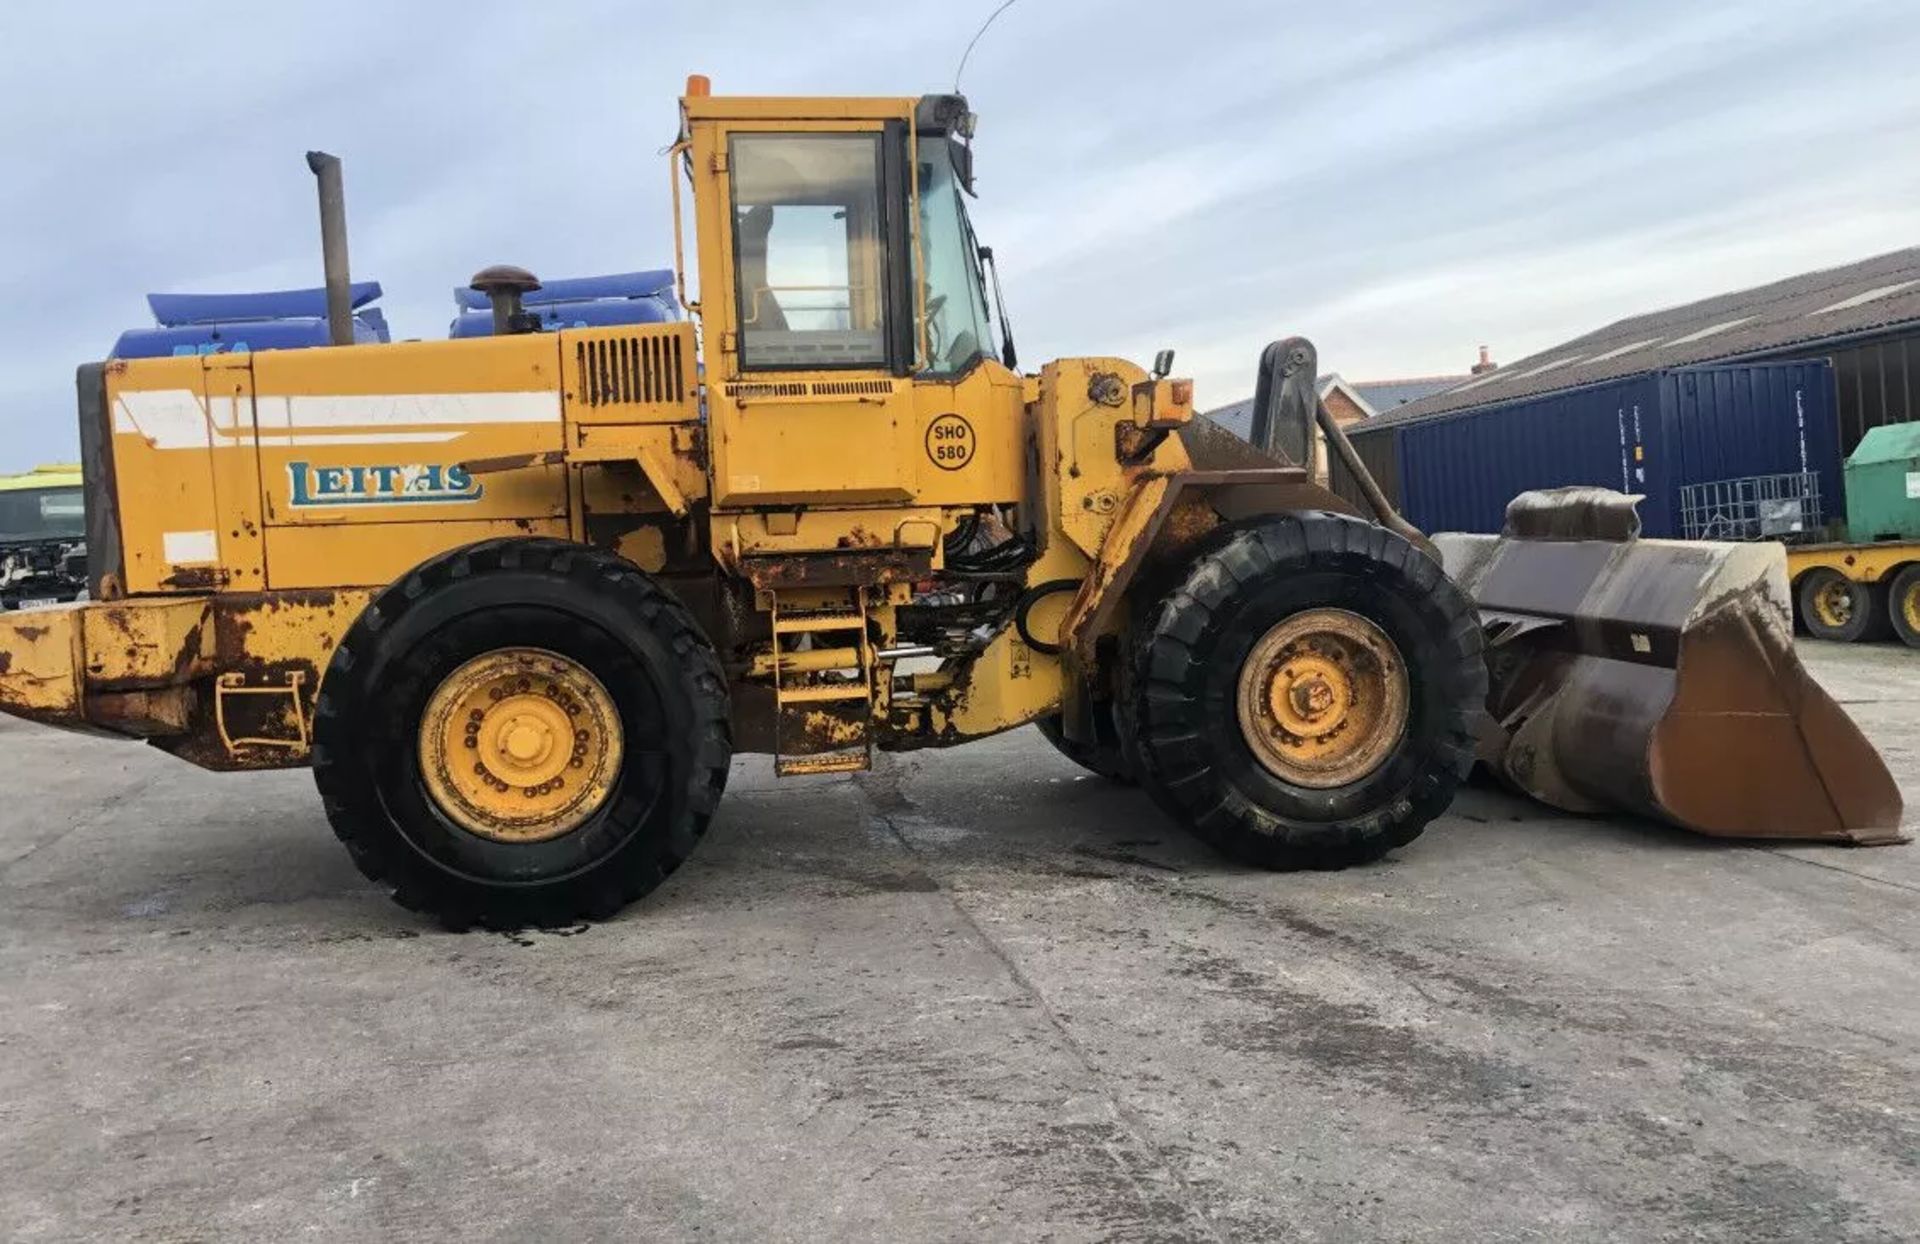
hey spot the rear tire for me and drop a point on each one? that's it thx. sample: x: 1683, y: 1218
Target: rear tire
x: 1832, y: 606
x: 1106, y: 756
x: 631, y: 648
x: 1903, y: 605
x: 1196, y: 758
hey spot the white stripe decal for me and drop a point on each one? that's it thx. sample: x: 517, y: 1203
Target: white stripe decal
x: 182, y: 419
x: 168, y: 418
x: 407, y: 409
x: 273, y: 440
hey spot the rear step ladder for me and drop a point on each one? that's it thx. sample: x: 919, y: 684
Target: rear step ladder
x: 830, y: 720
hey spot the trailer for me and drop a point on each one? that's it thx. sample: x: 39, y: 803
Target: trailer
x: 1863, y: 585
x: 1853, y: 592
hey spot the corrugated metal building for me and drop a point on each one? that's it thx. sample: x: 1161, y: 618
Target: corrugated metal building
x: 1859, y: 324
x: 1652, y: 434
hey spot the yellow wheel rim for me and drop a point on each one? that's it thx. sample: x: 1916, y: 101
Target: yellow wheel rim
x: 1910, y: 606
x: 1833, y: 603
x: 520, y: 745
x: 1322, y: 698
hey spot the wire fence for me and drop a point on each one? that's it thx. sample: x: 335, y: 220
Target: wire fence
x: 1754, y: 507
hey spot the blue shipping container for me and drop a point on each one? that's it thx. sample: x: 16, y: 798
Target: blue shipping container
x: 1649, y: 434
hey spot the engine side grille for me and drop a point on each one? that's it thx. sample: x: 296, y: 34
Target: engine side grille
x: 636, y: 374
x: 625, y: 370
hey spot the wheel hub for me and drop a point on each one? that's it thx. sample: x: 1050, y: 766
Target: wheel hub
x: 1322, y: 698
x: 1834, y: 603
x: 520, y: 745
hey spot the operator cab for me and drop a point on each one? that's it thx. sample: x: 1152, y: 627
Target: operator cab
x: 839, y: 262
x: 843, y: 302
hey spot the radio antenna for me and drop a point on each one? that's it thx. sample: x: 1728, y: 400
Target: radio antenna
x: 961, y: 67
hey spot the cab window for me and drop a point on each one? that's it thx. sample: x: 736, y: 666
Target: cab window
x: 810, y: 266
x: 42, y: 514
x: 959, y: 330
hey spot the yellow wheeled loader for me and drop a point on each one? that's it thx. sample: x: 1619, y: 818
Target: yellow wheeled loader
x: 518, y: 600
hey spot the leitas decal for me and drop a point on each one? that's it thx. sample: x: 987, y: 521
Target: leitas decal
x: 310, y: 485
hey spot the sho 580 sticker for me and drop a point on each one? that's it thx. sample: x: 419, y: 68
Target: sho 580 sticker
x: 950, y: 442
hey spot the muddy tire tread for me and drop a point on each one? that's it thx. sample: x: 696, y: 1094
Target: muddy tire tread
x: 1178, y: 763
x: 383, y: 857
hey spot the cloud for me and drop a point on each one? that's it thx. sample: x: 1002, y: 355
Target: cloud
x: 1402, y: 181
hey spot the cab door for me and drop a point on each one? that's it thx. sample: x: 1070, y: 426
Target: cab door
x: 807, y: 226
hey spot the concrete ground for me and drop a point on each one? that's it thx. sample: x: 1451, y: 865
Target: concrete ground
x: 974, y: 995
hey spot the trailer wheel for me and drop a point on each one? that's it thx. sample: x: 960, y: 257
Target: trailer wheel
x: 1903, y: 605
x: 523, y: 732
x: 1835, y: 607
x: 1305, y: 698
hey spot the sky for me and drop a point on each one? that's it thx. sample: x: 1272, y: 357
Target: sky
x: 1401, y: 181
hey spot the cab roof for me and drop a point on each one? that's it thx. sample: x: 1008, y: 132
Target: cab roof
x: 796, y: 107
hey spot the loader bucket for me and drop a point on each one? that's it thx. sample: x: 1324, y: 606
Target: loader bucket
x: 1658, y: 677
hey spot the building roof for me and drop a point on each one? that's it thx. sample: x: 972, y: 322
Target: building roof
x: 1237, y: 417
x: 1815, y: 307
x: 1386, y: 396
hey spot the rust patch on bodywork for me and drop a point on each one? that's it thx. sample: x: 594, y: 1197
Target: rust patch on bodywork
x: 823, y: 730
x: 270, y: 650
x: 134, y: 645
x: 846, y: 568
x: 1190, y: 519
x: 195, y: 579
x: 140, y: 714
x: 514, y: 462
x: 1148, y: 515
x: 206, y: 678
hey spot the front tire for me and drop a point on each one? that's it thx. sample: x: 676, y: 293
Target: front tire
x: 1305, y: 698
x: 523, y: 732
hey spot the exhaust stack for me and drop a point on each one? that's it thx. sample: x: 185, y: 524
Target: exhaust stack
x: 333, y: 246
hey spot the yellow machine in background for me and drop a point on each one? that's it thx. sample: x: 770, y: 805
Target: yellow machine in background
x: 519, y: 599
x: 43, y: 550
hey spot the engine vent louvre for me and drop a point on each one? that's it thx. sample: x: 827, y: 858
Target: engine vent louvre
x: 623, y: 370
x: 737, y: 389
x: 817, y: 388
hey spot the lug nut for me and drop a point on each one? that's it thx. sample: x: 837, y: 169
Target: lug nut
x: 472, y: 741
